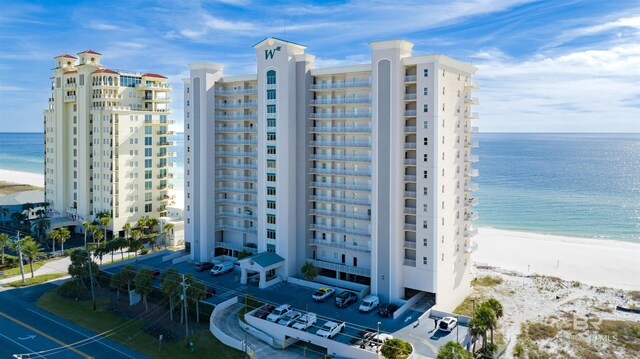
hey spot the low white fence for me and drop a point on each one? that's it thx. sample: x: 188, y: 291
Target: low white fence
x: 134, y: 259
x: 408, y: 304
x: 172, y: 256
x: 181, y: 259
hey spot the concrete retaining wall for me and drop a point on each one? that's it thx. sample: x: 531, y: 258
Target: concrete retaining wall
x: 181, y: 259
x: 339, y: 286
x: 172, y: 256
x: 408, y: 304
x: 134, y: 259
x: 224, y: 338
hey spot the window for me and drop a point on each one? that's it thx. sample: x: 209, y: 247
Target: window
x: 148, y: 185
x: 148, y: 163
x: 426, y: 72
x: 425, y: 225
x: 147, y: 130
x: 425, y: 207
x: 271, y: 122
x: 148, y: 174
x: 424, y: 260
x: 271, y: 150
x: 271, y: 136
x: 271, y: 218
x: 426, y: 91
x: 271, y: 177
x: 443, y: 90
x: 425, y: 108
x: 271, y: 108
x: 425, y: 141
x: 271, y: 163
x: 271, y: 191
x: 271, y: 77
x: 148, y: 196
x: 271, y: 204
x: 425, y: 242
x: 425, y: 174
x: 147, y: 118
x: 148, y: 152
x: 425, y: 190
x: 425, y: 157
x: 271, y: 233
x: 426, y: 124
x: 148, y: 141
x: 148, y: 208
x: 271, y: 94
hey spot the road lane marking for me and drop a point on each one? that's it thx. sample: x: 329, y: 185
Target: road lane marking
x: 99, y: 341
x: 44, y: 335
x: 15, y: 342
x: 27, y: 337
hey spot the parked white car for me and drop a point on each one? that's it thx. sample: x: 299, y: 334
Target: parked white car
x: 279, y: 312
x: 369, y: 303
x: 289, y: 318
x: 447, y: 324
x: 305, y: 322
x: 330, y: 329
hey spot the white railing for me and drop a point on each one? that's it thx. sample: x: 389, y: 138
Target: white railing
x: 350, y: 129
x: 341, y: 85
x: 236, y: 154
x: 340, y: 158
x: 409, y: 262
x: 236, y: 117
x: 410, y: 78
x: 333, y: 185
x: 237, y: 178
x: 410, y: 194
x: 250, y: 217
x: 410, y: 129
x: 350, y: 215
x: 241, y: 202
x: 237, y: 190
x: 335, y: 171
x: 410, y: 227
x: 247, y: 166
x: 154, y: 86
x: 341, y: 245
x: 410, y: 210
x: 472, y: 84
x: 340, y: 101
x: 235, y: 142
x: 410, y: 113
x: 409, y: 178
x: 340, y: 229
x: 341, y: 143
x: 249, y: 91
x: 236, y: 104
x: 320, y: 115
x: 410, y: 244
x: 410, y: 161
x: 331, y: 199
x: 235, y: 129
x: 410, y: 96
x: 472, y: 101
x: 340, y: 267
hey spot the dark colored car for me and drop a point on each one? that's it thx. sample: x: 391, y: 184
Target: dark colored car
x: 345, y: 299
x: 387, y: 309
x: 210, y: 292
x: 201, y: 267
x: 155, y: 272
x: 264, y: 311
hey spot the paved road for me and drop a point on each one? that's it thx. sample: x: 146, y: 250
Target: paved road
x: 26, y: 329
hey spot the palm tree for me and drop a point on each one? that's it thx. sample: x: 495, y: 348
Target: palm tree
x: 116, y: 283
x: 17, y: 218
x: 105, y: 222
x: 142, y: 224
x: 95, y: 233
x: 486, y: 319
x: 4, y: 211
x: 196, y: 292
x: 127, y: 229
x: 151, y: 223
x: 128, y: 275
x: 136, y: 241
x: 41, y: 213
x: 169, y: 282
x: 31, y: 250
x: 86, y: 225
x: 496, y: 306
x: 41, y: 227
x: 144, y: 285
x: 4, y: 241
x: 53, y: 235
x: 63, y: 235
x: 165, y: 232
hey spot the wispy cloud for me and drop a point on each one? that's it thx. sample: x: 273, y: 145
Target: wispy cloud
x: 103, y: 26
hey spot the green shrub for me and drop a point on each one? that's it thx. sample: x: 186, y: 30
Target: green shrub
x: 74, y: 290
x: 396, y: 349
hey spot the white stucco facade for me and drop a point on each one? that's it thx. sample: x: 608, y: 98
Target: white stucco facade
x: 364, y: 171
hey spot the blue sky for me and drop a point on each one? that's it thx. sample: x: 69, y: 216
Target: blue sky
x: 544, y: 66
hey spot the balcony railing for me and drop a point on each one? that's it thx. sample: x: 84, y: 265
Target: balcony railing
x: 474, y: 172
x: 340, y: 267
x: 236, y: 178
x: 471, y: 187
x: 350, y: 215
x: 470, y: 232
x: 343, y: 200
x: 235, y: 129
x: 346, y: 186
x: 341, y: 245
x: 410, y: 244
x: 246, y: 166
x: 241, y: 202
x: 410, y: 113
x: 340, y: 143
x: 340, y: 101
x: 321, y: 115
x: 409, y: 227
x: 410, y: 194
x: 472, y: 85
x: 71, y: 85
x: 339, y: 158
x: 471, y: 101
x: 70, y: 98
x: 409, y: 161
x: 409, y: 262
x: 249, y: 91
x: 236, y: 117
x: 237, y: 190
x: 340, y: 229
x: 231, y: 227
x: 472, y: 247
x: 232, y: 141
x: 338, y: 129
x: 410, y: 78
x: 410, y: 96
x: 472, y: 115
x: 341, y: 85
x: 236, y: 153
x: 472, y: 216
x: 231, y: 246
x: 154, y: 86
x: 336, y: 171
x: 409, y: 210
x: 410, y: 129
x: 409, y: 178
x: 250, y: 217
x: 250, y: 104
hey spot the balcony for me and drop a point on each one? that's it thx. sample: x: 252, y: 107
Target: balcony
x: 471, y: 216
x: 409, y: 178
x: 104, y: 84
x: 409, y: 161
x: 235, y: 129
x: 410, y: 96
x: 159, y: 99
x: 410, y: 244
x: 474, y: 172
x: 236, y: 178
x: 472, y: 201
x: 249, y: 104
x: 236, y: 228
x: 340, y: 144
x: 410, y: 129
x: 236, y: 153
x: 340, y: 101
x: 166, y: 143
x: 70, y: 98
x: 409, y: 210
x: 473, y: 85
x: 166, y: 133
x: 250, y: 217
x: 410, y: 113
x: 345, y: 186
x: 241, y: 190
x: 409, y: 262
x: 471, y: 158
x: 339, y: 267
x: 473, y: 246
x: 236, y: 117
x: 471, y: 187
x: 158, y: 121
x: 409, y: 194
x: 162, y: 154
x: 154, y: 86
x: 340, y: 229
x: 231, y: 246
x: 246, y: 166
x: 342, y: 200
x: 241, y: 202
x: 409, y: 145
x: 339, y: 158
x: 339, y: 172
x: 410, y: 78
x: 249, y: 91
x: 471, y: 101
x: 70, y: 86
x: 410, y: 227
x: 165, y: 186
x: 236, y: 141
x: 162, y: 165
x: 342, y: 85
x: 346, y: 115
x: 339, y: 129
x: 341, y: 245
x: 470, y: 232
x: 350, y: 215
x: 472, y: 115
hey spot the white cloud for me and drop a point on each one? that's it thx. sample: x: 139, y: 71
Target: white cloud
x: 11, y: 88
x: 103, y: 26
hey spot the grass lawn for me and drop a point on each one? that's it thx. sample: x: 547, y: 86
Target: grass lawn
x: 35, y: 280
x: 81, y: 313
x: 16, y: 271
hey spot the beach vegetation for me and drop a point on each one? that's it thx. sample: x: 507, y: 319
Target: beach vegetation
x: 399, y: 349
x: 539, y: 331
x: 11, y: 188
x: 634, y: 295
x: 466, y: 307
x: 486, y: 281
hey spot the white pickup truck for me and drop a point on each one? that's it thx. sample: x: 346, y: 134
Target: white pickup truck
x: 305, y: 322
x: 330, y: 329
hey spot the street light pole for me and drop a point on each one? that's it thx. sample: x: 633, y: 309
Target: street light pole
x: 93, y: 294
x: 378, y: 341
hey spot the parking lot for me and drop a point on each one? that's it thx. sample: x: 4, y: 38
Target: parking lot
x: 421, y: 335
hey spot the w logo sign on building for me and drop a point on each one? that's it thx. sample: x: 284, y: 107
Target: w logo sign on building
x: 268, y: 54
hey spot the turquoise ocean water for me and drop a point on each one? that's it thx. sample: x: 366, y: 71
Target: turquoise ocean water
x: 583, y: 185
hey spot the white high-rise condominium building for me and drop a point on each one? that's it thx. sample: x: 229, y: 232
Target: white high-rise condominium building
x: 106, y: 141
x: 364, y: 171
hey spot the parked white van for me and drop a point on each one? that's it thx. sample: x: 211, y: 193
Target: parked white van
x: 222, y: 268
x: 369, y: 303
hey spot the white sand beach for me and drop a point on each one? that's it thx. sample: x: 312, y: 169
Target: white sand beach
x: 33, y: 179
x: 604, y: 263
